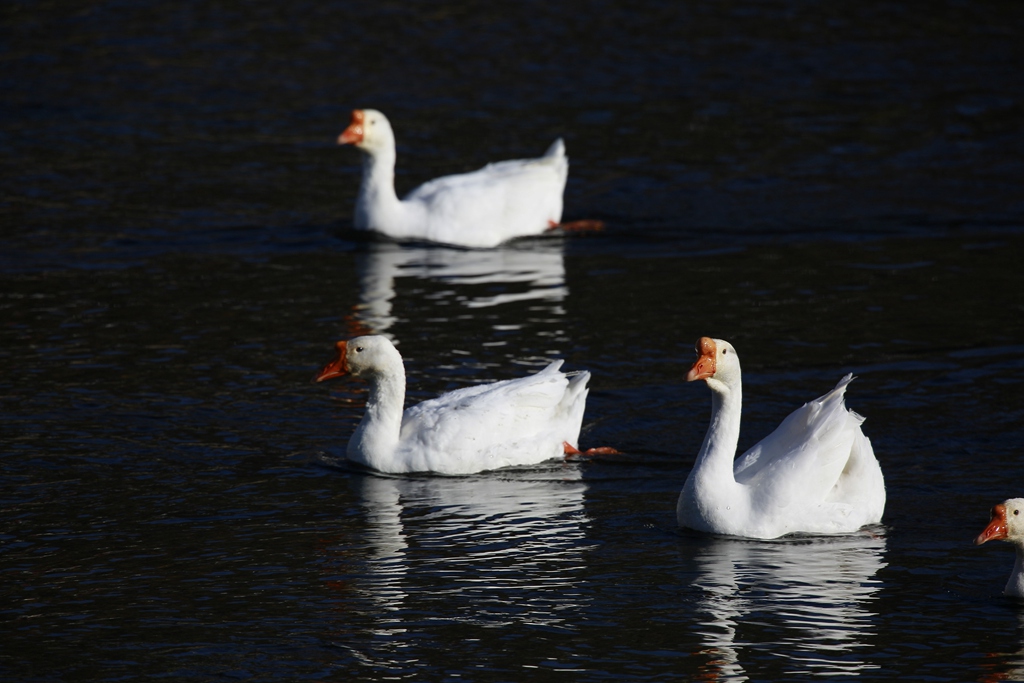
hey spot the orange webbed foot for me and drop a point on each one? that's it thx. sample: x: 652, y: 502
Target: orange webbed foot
x: 587, y: 225
x: 571, y: 450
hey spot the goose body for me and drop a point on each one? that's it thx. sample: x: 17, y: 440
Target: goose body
x: 513, y: 422
x: 481, y: 209
x: 816, y: 473
x: 1007, y: 524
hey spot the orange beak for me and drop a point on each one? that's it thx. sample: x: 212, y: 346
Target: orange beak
x: 705, y: 365
x: 996, y: 529
x: 337, y: 367
x: 353, y: 135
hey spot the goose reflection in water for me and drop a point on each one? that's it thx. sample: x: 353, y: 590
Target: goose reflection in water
x: 525, y: 271
x: 1005, y: 666
x: 487, y: 550
x: 812, y: 595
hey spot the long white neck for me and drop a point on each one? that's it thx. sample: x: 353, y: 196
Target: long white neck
x: 717, y: 453
x: 1015, y: 586
x: 378, y: 207
x: 376, y: 438
x: 711, y: 496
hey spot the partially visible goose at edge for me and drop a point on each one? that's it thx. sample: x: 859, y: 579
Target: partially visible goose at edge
x: 513, y: 422
x: 816, y: 473
x: 482, y: 209
x: 1007, y: 524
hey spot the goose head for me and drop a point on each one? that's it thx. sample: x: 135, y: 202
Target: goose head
x: 1007, y: 523
x: 717, y: 364
x: 369, y: 130
x: 367, y: 356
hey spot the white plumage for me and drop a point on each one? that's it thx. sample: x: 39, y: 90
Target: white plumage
x: 513, y: 422
x: 481, y: 209
x: 816, y: 473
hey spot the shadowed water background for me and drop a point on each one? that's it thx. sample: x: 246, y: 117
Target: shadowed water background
x: 832, y: 187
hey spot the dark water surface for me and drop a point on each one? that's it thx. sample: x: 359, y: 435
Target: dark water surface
x: 833, y: 187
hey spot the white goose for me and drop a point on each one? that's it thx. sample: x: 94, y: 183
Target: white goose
x: 1008, y: 525
x: 479, y: 209
x: 514, y: 422
x: 816, y: 473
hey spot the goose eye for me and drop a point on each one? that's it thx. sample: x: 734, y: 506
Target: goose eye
x: 359, y: 349
x: 1016, y: 512
x: 725, y: 351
